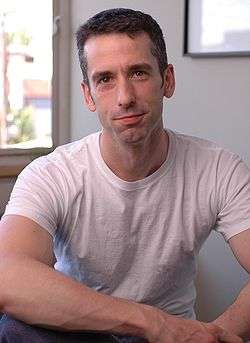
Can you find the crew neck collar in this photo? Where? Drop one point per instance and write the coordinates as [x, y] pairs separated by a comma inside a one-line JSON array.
[[133, 185]]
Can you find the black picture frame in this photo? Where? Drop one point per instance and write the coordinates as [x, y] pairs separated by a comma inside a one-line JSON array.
[[193, 37]]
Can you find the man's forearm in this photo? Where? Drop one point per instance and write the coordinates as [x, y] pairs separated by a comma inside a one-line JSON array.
[[236, 318], [39, 295]]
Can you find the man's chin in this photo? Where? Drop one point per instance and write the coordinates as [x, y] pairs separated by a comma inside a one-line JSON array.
[[132, 137]]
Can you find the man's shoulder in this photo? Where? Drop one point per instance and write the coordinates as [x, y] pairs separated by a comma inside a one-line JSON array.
[[76, 149], [203, 152], [195, 142], [74, 155], [201, 146]]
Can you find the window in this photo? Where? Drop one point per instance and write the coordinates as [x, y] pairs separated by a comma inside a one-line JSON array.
[[217, 28], [33, 81]]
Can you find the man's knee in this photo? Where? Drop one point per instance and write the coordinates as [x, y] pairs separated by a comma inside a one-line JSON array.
[[15, 331]]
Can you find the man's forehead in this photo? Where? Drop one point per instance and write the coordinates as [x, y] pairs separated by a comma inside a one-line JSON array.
[[107, 52], [105, 39]]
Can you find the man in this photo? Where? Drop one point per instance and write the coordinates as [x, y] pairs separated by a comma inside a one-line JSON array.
[[125, 210]]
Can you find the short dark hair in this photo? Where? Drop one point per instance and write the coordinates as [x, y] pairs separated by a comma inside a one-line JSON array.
[[122, 20]]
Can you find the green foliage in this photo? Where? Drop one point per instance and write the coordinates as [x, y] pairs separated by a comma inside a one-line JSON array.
[[19, 37], [23, 120]]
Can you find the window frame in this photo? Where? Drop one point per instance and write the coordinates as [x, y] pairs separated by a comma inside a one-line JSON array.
[[13, 160]]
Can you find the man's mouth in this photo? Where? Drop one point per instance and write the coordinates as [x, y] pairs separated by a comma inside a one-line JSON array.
[[130, 119]]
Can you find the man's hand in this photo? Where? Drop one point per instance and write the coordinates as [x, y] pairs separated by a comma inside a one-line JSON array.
[[172, 329]]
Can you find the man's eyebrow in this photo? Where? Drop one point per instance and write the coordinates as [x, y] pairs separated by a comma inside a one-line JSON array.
[[143, 66]]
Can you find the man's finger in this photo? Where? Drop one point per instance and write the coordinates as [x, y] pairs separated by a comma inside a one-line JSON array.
[[225, 336]]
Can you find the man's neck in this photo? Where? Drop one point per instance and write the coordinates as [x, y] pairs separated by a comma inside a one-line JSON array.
[[132, 163]]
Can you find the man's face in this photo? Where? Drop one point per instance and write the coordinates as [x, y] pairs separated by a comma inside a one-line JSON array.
[[125, 86]]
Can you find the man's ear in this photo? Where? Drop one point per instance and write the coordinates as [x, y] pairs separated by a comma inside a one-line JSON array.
[[169, 81], [88, 97]]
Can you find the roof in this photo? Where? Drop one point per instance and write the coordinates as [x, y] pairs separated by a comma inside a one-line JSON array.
[[37, 88]]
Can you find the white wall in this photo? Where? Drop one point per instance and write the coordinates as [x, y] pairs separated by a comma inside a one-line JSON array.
[[211, 101]]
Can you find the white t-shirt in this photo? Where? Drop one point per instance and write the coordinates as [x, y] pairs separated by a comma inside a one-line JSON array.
[[135, 240]]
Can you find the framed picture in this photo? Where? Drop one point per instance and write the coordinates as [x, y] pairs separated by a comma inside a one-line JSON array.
[[217, 28]]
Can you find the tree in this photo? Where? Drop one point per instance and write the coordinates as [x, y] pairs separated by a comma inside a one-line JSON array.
[[23, 120]]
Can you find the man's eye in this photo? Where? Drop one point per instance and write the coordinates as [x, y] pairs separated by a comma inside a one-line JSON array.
[[139, 74], [104, 79]]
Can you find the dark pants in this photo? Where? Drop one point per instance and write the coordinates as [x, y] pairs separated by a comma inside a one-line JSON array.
[[15, 331]]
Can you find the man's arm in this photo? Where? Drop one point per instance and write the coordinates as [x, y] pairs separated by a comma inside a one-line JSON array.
[[236, 318], [31, 290]]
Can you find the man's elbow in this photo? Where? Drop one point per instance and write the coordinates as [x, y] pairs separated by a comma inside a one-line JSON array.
[[11, 274]]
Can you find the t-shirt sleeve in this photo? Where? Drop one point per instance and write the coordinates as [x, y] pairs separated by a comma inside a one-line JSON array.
[[37, 195], [233, 196]]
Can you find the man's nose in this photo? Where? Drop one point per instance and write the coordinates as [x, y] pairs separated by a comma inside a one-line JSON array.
[[126, 93]]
